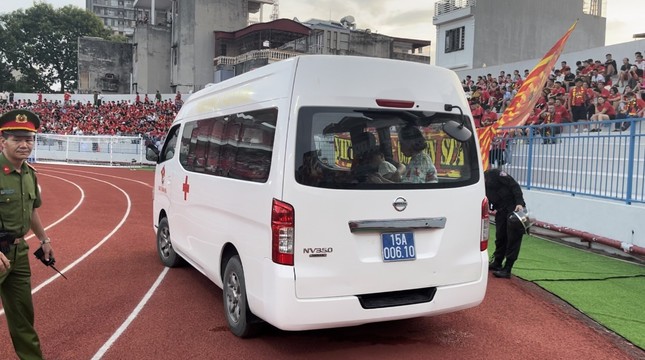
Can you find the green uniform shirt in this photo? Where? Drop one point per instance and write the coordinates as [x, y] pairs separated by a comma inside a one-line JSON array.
[[19, 195]]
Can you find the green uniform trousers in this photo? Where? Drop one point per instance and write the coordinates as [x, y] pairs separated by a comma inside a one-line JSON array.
[[15, 290]]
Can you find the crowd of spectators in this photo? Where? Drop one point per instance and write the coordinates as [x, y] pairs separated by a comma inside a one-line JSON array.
[[595, 90], [149, 119]]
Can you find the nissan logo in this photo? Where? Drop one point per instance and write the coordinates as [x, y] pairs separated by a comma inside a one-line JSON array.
[[400, 204]]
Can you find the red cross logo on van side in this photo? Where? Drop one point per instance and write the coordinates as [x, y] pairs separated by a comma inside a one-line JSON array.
[[186, 188]]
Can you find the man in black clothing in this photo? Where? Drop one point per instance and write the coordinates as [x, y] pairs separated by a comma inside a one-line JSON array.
[[610, 66], [505, 196]]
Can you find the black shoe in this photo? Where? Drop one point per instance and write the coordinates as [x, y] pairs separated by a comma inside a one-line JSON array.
[[494, 266], [504, 274]]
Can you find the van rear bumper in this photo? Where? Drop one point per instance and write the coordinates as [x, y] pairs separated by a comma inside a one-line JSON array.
[[277, 303]]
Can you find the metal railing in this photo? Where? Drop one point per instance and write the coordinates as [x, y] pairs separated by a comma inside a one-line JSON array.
[[271, 54], [608, 164], [447, 6]]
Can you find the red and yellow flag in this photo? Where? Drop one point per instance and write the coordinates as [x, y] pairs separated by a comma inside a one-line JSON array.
[[524, 101]]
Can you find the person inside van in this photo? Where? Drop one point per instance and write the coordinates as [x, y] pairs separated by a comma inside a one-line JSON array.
[[386, 168], [420, 169], [380, 170], [310, 172]]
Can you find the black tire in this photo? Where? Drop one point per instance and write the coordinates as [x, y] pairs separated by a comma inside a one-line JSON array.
[[167, 254], [239, 317]]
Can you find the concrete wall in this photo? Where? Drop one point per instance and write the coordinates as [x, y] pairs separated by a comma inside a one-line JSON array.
[[193, 36], [151, 64], [104, 66], [511, 30], [370, 44], [456, 59], [618, 52], [614, 220]]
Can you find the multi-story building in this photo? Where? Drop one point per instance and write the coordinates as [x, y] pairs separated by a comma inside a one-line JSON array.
[[261, 44], [118, 15], [474, 34], [185, 45]]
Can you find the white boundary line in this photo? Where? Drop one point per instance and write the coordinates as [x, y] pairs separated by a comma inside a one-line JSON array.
[[99, 354], [100, 174], [78, 204], [99, 244], [115, 336]]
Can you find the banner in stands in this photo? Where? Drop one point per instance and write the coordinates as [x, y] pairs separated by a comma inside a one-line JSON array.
[[525, 99], [446, 152]]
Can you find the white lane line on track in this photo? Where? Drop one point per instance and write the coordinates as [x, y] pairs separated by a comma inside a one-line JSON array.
[[99, 354], [95, 247], [99, 244], [78, 204], [102, 174]]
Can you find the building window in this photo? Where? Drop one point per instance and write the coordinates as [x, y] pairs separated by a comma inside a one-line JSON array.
[[455, 39]]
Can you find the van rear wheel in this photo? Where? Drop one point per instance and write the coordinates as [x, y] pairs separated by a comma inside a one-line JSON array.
[[167, 254], [241, 320]]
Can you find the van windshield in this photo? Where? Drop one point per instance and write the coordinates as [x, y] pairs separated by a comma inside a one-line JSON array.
[[343, 148]]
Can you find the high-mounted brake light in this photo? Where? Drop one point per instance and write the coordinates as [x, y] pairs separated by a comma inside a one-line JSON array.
[[485, 229], [401, 104], [282, 225]]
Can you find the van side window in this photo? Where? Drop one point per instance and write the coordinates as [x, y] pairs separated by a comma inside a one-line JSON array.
[[237, 146], [168, 150], [194, 145]]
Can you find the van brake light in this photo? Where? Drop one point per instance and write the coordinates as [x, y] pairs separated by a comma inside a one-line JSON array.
[[282, 226], [485, 228], [402, 104]]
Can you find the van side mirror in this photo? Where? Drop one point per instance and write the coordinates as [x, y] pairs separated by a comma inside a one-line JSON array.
[[456, 131], [152, 153]]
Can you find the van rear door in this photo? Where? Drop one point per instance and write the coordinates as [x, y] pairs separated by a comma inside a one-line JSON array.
[[383, 201]]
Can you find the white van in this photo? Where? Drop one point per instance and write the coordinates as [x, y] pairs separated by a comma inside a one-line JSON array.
[[327, 191]]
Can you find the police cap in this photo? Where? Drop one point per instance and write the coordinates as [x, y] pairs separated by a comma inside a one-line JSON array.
[[19, 122]]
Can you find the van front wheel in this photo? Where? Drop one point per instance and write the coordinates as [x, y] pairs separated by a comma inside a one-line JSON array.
[[241, 320], [167, 254]]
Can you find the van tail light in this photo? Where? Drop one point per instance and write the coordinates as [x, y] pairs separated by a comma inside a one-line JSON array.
[[282, 225], [485, 230], [401, 104]]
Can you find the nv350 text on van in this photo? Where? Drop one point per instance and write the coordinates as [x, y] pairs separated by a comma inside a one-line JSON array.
[[327, 191]]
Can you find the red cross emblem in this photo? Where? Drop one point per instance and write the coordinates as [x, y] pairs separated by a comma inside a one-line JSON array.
[[186, 188]]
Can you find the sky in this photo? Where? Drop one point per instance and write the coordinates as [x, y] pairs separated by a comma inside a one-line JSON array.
[[393, 18]]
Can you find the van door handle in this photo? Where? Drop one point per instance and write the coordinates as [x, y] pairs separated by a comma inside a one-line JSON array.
[[398, 224]]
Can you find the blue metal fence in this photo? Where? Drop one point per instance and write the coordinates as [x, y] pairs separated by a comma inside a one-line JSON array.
[[608, 164]]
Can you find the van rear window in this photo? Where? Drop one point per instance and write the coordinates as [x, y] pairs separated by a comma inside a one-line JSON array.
[[343, 148]]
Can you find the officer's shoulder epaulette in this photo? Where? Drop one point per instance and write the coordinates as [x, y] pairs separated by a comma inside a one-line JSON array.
[[32, 167]]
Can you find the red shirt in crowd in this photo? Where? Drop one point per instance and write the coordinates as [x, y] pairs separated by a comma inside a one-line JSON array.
[[577, 96], [478, 113], [606, 108], [561, 114]]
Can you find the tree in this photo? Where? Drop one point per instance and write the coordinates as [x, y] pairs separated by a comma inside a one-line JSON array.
[[42, 43]]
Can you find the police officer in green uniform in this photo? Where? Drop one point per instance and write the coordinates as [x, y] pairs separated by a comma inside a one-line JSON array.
[[19, 200]]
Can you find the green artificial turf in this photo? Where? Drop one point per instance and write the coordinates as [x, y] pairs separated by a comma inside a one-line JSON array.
[[608, 290]]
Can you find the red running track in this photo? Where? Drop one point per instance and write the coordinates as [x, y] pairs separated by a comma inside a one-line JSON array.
[[121, 303]]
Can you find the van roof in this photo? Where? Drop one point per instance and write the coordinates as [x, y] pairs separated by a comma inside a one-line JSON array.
[[240, 90]]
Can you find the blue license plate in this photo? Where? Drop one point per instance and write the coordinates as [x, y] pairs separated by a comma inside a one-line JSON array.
[[398, 246]]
